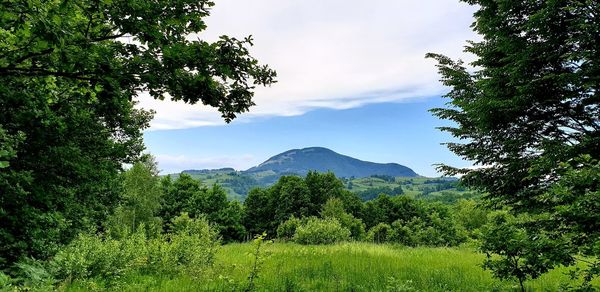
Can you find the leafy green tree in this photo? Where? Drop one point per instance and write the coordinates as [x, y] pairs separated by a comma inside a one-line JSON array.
[[386, 209], [523, 255], [177, 196], [291, 196], [380, 233], [229, 222], [212, 203], [529, 108], [470, 215], [69, 72], [352, 203], [373, 192], [334, 209], [140, 204], [259, 213], [322, 187]]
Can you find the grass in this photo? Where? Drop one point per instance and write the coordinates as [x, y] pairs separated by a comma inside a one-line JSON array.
[[341, 267]]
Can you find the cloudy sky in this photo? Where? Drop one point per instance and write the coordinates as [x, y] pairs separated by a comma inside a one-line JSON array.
[[346, 70]]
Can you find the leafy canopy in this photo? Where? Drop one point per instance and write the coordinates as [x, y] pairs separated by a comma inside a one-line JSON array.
[[69, 72], [529, 115]]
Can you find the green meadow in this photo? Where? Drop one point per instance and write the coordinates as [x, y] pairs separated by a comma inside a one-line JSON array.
[[339, 267]]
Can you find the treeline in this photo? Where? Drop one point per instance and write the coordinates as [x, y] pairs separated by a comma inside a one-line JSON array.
[[318, 203]]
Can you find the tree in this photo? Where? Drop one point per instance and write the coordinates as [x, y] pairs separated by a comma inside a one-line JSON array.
[[530, 108], [140, 204], [212, 203], [179, 195], [291, 197], [322, 187], [334, 209], [523, 255], [69, 72], [259, 214]]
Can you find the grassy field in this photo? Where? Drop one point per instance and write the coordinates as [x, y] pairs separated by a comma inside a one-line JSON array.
[[342, 267]]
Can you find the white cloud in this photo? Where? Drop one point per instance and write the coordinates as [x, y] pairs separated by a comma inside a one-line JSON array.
[[176, 163], [332, 53]]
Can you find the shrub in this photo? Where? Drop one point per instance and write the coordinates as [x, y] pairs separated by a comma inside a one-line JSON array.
[[287, 229], [321, 231], [5, 281], [90, 256], [190, 248], [334, 209], [431, 230], [380, 233]]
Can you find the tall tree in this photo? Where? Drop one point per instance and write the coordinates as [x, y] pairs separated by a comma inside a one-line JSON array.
[[69, 71], [141, 202], [529, 114]]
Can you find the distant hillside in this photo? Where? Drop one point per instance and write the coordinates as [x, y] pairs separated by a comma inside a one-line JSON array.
[[208, 171], [300, 161]]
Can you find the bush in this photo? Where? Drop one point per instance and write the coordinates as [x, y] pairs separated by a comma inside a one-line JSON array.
[[5, 281], [321, 231], [432, 230], [190, 248], [287, 229], [334, 209], [380, 233], [90, 256]]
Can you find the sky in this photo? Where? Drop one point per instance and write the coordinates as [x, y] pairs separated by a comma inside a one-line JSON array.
[[352, 77]]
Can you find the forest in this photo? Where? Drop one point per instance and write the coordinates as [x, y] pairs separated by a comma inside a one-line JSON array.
[[83, 206]]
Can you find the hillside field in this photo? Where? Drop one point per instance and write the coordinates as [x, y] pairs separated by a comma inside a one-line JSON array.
[[340, 267]]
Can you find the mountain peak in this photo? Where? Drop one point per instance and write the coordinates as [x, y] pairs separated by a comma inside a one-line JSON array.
[[301, 161]]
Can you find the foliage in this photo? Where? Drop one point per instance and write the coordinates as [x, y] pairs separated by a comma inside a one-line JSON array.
[[334, 209], [322, 187], [321, 231], [529, 115], [372, 193], [30, 274], [435, 229], [287, 229], [177, 195], [388, 209], [295, 196], [240, 184], [141, 202], [258, 260], [69, 72], [354, 266], [380, 233], [259, 212], [522, 255], [89, 256], [189, 249], [470, 215], [188, 195]]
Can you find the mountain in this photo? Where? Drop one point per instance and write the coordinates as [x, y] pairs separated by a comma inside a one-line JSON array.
[[300, 161]]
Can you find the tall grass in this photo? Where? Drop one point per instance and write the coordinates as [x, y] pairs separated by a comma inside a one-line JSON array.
[[343, 267]]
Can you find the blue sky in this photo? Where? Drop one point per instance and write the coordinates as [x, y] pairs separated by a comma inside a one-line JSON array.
[[402, 132], [351, 77]]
